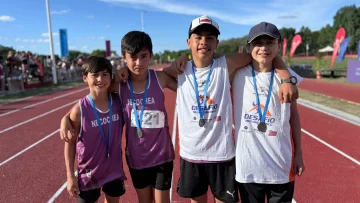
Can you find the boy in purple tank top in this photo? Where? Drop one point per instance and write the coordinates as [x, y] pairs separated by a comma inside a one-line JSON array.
[[97, 120], [149, 150]]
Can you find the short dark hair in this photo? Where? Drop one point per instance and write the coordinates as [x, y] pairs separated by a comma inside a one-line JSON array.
[[134, 41], [95, 64]]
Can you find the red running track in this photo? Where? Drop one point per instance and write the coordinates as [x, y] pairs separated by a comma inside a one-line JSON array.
[[38, 173], [347, 92]]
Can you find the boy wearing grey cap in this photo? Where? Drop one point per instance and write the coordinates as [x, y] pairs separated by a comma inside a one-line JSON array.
[[268, 132]]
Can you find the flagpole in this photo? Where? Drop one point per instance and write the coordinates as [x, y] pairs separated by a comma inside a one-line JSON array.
[[53, 67]]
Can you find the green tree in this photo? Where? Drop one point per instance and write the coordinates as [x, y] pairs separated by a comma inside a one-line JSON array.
[[98, 52], [348, 17]]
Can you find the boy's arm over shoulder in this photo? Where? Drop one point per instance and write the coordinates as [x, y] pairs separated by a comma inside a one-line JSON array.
[[166, 81], [287, 92], [177, 67], [75, 118], [236, 61], [295, 125]]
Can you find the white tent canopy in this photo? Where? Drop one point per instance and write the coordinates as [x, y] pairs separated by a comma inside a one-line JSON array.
[[326, 49]]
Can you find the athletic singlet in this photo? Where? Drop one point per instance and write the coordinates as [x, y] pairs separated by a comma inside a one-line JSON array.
[[213, 142], [261, 157], [94, 167], [155, 146]]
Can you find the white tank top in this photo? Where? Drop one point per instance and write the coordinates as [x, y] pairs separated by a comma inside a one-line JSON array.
[[214, 141], [261, 157]]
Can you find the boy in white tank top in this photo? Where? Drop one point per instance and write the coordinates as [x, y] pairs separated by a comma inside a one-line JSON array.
[[268, 142], [207, 147]]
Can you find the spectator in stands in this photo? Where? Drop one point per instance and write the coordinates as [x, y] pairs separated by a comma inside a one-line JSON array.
[[1, 67], [24, 62]]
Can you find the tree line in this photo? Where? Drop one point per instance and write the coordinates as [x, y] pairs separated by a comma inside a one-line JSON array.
[[347, 17]]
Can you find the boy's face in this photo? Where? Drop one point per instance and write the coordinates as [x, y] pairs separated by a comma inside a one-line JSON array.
[[202, 44], [138, 63], [264, 49], [99, 81]]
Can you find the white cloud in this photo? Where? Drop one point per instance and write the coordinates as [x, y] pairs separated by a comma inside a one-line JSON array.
[[97, 38], [21, 47], [85, 47], [33, 46], [17, 39], [42, 41], [107, 26], [280, 12], [6, 18], [25, 40], [3, 38], [60, 12], [46, 34], [72, 47]]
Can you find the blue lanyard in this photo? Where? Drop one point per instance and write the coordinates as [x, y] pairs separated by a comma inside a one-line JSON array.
[[201, 111], [99, 122], [262, 115], [143, 103]]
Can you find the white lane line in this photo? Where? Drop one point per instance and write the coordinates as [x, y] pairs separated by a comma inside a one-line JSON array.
[[39, 116], [59, 191], [29, 147], [42, 102], [328, 145], [330, 111], [331, 147]]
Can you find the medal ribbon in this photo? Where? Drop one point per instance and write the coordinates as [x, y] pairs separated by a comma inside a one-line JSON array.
[[138, 119], [262, 115], [201, 111], [99, 122]]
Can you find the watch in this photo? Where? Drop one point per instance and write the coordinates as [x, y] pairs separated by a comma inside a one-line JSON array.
[[292, 80]]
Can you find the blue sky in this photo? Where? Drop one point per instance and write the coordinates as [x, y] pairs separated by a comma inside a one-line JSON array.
[[23, 23]]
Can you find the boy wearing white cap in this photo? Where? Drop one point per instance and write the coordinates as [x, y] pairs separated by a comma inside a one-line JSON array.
[[207, 147]]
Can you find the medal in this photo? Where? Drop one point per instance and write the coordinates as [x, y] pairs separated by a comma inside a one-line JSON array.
[[200, 107], [138, 118], [262, 127], [139, 133], [201, 122]]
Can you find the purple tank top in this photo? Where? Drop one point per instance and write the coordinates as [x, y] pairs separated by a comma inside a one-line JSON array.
[[94, 167], [155, 146]]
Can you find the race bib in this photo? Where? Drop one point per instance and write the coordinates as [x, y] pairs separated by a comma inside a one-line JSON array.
[[151, 119]]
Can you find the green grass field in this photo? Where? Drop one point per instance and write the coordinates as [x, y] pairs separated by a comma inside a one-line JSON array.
[[324, 62]]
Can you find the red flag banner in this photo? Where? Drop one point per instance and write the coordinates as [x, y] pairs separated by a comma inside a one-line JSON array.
[[284, 46], [295, 43], [340, 36], [108, 48]]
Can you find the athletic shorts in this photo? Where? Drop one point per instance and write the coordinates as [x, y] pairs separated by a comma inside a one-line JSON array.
[[114, 188], [159, 177], [274, 193], [195, 178]]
